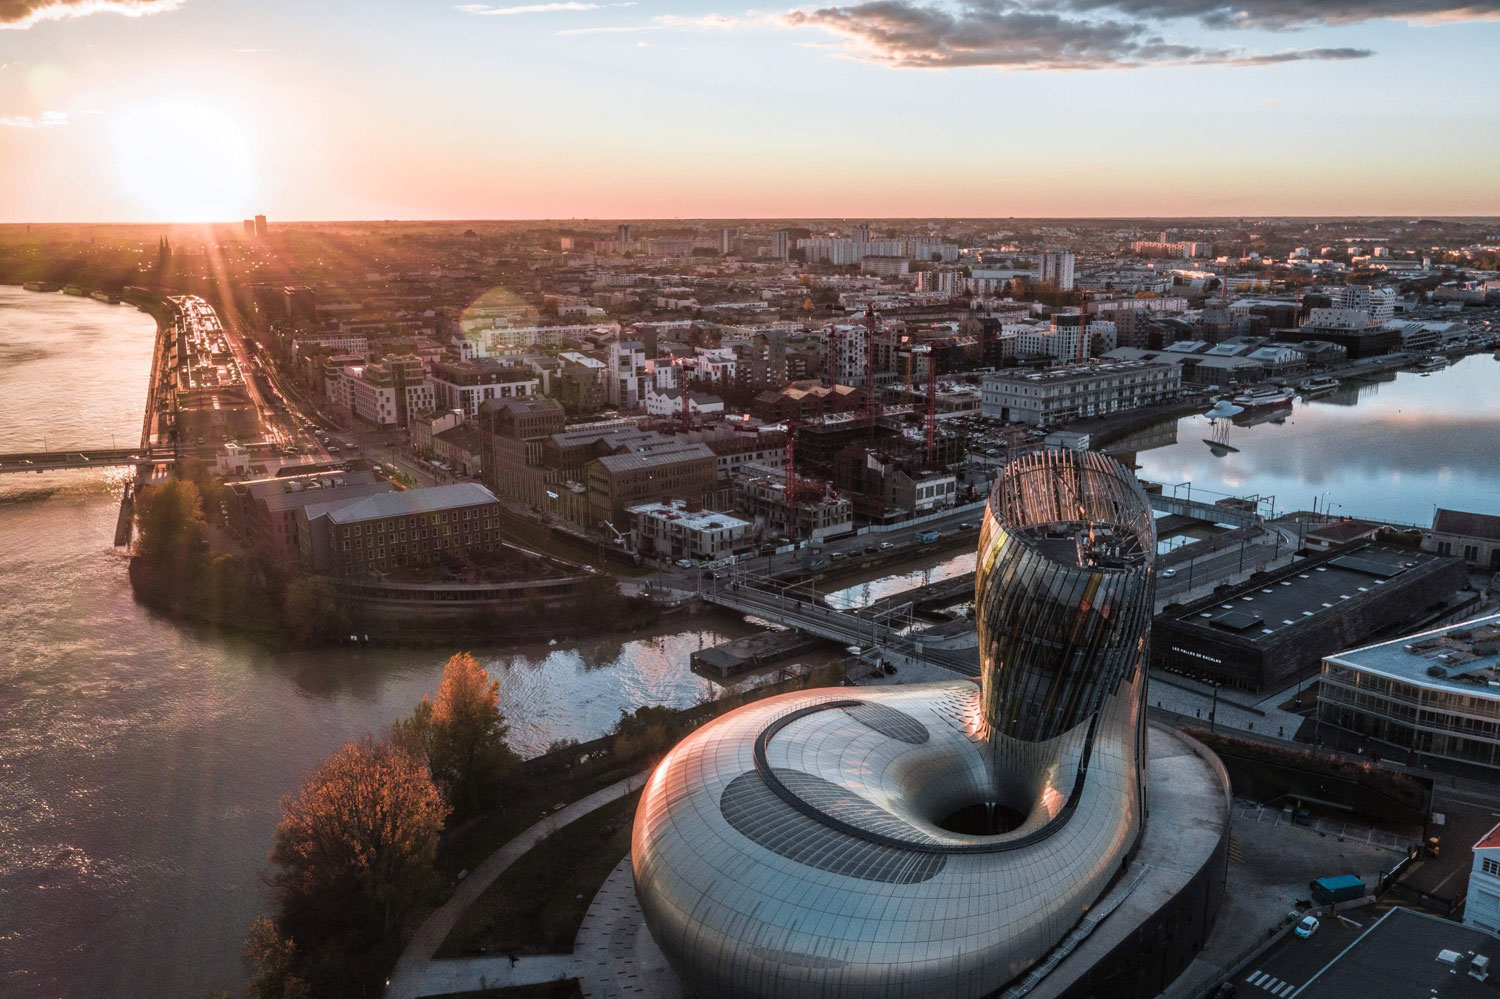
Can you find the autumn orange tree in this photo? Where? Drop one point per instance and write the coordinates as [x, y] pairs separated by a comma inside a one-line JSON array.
[[461, 735], [354, 852]]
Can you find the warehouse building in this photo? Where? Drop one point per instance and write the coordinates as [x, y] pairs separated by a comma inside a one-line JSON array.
[[1270, 630]]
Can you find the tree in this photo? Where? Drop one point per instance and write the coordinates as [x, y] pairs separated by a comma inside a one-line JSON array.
[[647, 733], [354, 849], [311, 610], [461, 735], [169, 524], [271, 960]]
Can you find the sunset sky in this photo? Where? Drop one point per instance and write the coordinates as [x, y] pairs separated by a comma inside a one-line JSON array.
[[217, 109]]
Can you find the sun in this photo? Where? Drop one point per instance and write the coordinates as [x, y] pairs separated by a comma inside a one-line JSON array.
[[183, 161]]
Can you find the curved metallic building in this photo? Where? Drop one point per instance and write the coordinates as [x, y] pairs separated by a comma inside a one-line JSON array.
[[932, 840]]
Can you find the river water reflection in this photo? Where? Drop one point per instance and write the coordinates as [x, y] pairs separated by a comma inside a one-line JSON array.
[[1390, 450], [141, 762]]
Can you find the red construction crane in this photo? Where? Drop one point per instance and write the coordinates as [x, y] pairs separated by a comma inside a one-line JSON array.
[[830, 363], [931, 408], [682, 386], [791, 480]]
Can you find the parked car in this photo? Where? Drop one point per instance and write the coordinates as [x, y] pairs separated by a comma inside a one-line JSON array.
[[1168, 573], [1307, 927], [884, 545]]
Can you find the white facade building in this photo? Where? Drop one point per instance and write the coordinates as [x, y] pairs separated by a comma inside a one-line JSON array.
[[1077, 391], [628, 374], [1482, 910], [454, 395], [844, 354], [1378, 304], [681, 529], [844, 252], [370, 401], [668, 402], [1056, 268], [1067, 338]]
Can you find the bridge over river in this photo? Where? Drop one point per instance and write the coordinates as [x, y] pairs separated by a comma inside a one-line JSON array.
[[47, 461], [799, 607]]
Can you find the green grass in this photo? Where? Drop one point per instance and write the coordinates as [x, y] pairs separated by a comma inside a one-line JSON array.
[[467, 849], [538, 903]]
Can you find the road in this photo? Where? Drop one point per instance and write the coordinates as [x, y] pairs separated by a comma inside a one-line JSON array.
[[790, 608], [1201, 574], [1292, 961], [282, 423]]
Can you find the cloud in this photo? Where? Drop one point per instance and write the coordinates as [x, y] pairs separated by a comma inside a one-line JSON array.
[[21, 14], [47, 119], [1281, 14], [911, 35], [612, 29], [563, 6]]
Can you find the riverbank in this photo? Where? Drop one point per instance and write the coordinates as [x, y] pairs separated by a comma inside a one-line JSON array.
[[231, 602]]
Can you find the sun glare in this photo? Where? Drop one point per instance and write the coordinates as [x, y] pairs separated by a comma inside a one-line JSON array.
[[184, 162]]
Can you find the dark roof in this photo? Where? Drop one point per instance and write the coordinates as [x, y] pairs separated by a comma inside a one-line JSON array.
[[1470, 525], [1339, 531], [1398, 956]]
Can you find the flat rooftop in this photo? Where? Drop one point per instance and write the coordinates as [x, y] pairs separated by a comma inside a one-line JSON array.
[[1259, 612], [1399, 956], [693, 520], [1462, 657], [1075, 372]]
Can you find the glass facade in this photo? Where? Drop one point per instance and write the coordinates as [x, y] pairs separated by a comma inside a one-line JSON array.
[[1424, 719], [1063, 592]]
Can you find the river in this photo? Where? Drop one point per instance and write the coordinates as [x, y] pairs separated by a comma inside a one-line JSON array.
[[1387, 450], [141, 762]]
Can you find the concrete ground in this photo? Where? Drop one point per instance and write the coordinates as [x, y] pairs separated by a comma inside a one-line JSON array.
[[1191, 699], [1270, 864], [1292, 961]]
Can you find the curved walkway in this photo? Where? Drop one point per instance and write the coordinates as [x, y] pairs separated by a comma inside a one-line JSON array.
[[407, 981]]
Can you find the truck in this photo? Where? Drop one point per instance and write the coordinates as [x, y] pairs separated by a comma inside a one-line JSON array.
[[1341, 888], [927, 537]]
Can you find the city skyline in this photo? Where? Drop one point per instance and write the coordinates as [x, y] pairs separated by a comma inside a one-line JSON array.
[[637, 110]]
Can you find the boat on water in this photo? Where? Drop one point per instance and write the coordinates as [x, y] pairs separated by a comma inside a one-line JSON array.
[[73, 289], [105, 297], [39, 286], [1264, 397], [1320, 385], [1432, 362], [1271, 414], [1223, 410]]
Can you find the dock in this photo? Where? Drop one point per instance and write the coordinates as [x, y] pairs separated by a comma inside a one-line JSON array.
[[743, 654]]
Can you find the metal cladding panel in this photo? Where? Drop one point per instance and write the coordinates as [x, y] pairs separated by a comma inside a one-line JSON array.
[[1057, 634], [794, 848]]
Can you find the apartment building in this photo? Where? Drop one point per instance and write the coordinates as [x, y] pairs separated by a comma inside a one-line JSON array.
[[408, 528], [1077, 391], [467, 385], [675, 528]]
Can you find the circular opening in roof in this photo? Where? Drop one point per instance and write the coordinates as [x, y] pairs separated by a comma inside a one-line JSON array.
[[982, 818]]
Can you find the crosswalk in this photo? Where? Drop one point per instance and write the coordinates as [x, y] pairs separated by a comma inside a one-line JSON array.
[[1271, 984], [1234, 851]]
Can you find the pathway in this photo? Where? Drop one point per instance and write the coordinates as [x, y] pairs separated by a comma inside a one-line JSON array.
[[409, 979]]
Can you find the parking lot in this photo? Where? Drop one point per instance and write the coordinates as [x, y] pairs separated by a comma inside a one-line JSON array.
[[1292, 961]]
